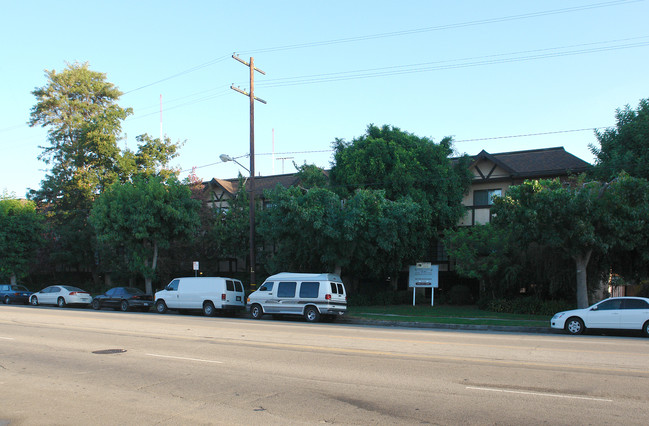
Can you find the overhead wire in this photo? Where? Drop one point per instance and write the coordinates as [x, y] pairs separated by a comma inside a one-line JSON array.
[[442, 27]]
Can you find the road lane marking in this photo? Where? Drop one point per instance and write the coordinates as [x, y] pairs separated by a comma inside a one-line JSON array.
[[551, 395], [185, 359], [7, 338]]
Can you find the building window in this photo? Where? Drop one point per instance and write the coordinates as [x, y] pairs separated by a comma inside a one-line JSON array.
[[485, 197]]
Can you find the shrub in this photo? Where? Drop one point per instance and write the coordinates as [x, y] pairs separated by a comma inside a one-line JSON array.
[[524, 305], [459, 295]]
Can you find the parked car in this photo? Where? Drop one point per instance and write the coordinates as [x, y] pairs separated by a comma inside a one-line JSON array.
[[310, 295], [616, 313], [60, 295], [123, 298], [209, 294], [11, 293]]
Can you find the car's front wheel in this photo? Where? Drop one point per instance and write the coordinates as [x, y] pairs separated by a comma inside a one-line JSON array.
[[645, 329], [60, 302], [34, 301], [574, 325], [7, 301], [161, 306], [256, 312]]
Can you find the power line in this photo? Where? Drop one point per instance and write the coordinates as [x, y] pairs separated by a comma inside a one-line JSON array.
[[443, 27], [448, 64], [455, 141]]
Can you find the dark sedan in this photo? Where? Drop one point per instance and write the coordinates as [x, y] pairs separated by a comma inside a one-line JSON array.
[[123, 298], [11, 293]]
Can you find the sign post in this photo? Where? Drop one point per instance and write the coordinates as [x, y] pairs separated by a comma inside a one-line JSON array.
[[423, 275], [195, 264]]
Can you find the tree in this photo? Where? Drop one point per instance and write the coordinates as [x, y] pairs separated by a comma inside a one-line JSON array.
[[144, 216], [79, 108], [312, 229], [581, 219], [479, 252], [624, 147], [21, 229], [152, 158], [405, 166]]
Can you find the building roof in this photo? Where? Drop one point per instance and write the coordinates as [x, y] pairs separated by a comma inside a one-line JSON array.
[[262, 183], [536, 163]]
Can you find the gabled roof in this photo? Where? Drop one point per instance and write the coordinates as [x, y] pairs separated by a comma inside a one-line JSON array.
[[262, 183], [535, 163]]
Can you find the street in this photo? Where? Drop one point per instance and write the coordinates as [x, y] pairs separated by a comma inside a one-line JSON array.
[[79, 366]]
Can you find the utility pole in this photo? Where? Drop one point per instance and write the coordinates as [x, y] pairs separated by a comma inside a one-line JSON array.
[[252, 97]]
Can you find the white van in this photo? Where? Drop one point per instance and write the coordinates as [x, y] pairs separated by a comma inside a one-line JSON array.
[[311, 295], [210, 294]]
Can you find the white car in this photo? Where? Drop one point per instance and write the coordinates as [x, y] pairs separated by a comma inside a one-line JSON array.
[[616, 313], [60, 295]]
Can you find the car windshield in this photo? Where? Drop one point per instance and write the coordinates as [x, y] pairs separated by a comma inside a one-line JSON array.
[[18, 288], [70, 288]]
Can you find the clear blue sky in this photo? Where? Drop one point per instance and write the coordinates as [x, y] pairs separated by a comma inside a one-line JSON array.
[[467, 69]]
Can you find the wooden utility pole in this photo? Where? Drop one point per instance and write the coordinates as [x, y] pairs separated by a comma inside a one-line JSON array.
[[252, 97]]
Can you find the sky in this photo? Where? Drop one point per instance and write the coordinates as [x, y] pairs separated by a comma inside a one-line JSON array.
[[499, 75]]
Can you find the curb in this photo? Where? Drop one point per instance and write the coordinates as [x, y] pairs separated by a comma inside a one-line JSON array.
[[470, 327]]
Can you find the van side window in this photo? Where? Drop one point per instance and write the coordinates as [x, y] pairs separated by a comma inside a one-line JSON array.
[[229, 285], [286, 289], [173, 286], [309, 289], [238, 286], [267, 286]]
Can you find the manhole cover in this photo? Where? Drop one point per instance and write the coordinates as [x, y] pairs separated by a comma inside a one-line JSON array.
[[109, 351]]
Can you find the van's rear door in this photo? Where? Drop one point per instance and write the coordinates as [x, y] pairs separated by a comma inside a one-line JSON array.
[[234, 294], [338, 294]]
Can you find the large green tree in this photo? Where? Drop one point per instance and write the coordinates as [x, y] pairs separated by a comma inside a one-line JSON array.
[[21, 234], [83, 120], [625, 147], [144, 216], [405, 165], [311, 229], [579, 219]]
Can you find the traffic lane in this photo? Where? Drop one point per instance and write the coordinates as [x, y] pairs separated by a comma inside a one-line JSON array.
[[283, 369], [302, 386]]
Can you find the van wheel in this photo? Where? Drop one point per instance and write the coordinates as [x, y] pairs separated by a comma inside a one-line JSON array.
[[161, 306], [256, 312], [311, 314], [208, 309]]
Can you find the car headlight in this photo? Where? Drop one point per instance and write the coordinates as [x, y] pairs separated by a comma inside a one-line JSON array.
[[559, 315]]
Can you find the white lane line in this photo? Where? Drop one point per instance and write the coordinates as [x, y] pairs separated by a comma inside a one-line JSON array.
[[185, 359], [552, 395], [7, 338]]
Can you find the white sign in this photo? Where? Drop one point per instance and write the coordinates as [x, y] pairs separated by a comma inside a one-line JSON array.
[[195, 266], [423, 275]]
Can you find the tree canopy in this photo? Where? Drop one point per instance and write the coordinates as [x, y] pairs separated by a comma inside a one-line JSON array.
[[405, 166], [579, 219], [625, 147], [21, 233], [142, 217]]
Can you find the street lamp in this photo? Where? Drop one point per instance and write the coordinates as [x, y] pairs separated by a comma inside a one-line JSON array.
[[225, 158]]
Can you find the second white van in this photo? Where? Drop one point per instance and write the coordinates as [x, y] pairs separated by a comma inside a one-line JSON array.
[[209, 294], [313, 296]]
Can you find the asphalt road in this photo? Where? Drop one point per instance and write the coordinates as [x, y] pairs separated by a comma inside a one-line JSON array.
[[78, 366]]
